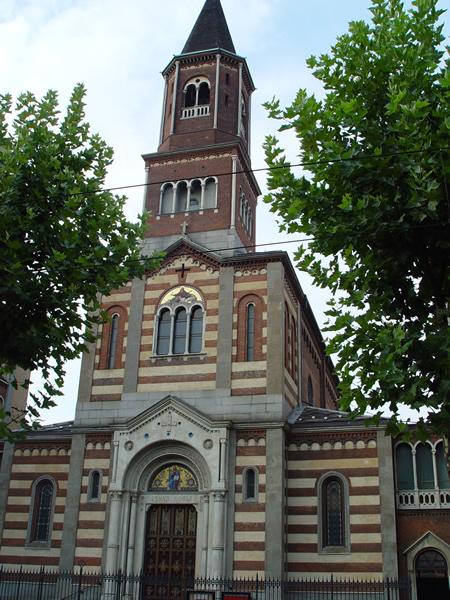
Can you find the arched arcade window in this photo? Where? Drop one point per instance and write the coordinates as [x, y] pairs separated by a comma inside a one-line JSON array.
[[197, 93], [186, 196], [180, 322], [310, 391]]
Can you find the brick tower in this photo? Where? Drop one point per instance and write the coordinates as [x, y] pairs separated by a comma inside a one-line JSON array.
[[200, 180]]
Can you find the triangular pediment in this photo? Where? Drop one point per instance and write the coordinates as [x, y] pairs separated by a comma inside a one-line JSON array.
[[428, 539], [169, 413], [187, 251]]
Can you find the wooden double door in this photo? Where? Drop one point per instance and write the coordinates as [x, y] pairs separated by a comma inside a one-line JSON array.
[[170, 545]]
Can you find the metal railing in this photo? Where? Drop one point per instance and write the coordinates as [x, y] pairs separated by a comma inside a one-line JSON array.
[[82, 584]]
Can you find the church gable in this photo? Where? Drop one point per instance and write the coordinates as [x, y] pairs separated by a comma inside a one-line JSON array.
[[179, 324]]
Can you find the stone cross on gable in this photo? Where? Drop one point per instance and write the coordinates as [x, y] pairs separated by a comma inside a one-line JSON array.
[[184, 227]]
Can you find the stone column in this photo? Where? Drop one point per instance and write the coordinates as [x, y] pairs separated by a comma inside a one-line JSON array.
[[112, 551], [132, 534], [5, 475], [205, 538], [218, 537]]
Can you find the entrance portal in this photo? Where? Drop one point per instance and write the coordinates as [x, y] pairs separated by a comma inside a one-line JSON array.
[[432, 576], [170, 543]]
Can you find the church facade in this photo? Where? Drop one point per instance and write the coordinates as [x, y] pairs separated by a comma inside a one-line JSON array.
[[207, 439]]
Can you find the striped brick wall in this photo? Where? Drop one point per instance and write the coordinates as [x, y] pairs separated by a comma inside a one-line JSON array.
[[355, 457], [107, 384], [249, 519], [30, 462], [250, 377], [291, 347], [158, 374], [91, 516]]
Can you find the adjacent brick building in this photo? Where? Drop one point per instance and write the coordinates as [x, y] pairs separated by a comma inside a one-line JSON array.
[[207, 408]]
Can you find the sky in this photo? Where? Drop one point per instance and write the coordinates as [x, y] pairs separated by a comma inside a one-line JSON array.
[[118, 50]]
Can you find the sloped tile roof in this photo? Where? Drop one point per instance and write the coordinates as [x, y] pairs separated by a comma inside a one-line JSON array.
[[210, 30]]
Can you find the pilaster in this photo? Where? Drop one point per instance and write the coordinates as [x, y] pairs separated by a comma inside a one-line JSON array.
[[5, 475], [387, 505], [72, 506], [275, 502], [275, 328], [225, 329], [134, 333]]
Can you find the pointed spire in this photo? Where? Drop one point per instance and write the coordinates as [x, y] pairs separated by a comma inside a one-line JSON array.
[[210, 30]]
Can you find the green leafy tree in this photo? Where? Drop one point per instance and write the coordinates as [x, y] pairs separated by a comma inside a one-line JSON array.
[[374, 199], [64, 241]]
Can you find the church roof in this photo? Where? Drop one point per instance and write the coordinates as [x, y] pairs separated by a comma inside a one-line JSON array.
[[312, 416], [210, 30]]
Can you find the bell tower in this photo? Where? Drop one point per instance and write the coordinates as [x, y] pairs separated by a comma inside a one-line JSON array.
[[200, 183]]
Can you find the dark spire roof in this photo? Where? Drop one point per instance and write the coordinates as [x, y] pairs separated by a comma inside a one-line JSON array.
[[210, 30]]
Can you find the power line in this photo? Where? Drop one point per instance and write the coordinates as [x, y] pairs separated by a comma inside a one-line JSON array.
[[261, 169], [252, 246]]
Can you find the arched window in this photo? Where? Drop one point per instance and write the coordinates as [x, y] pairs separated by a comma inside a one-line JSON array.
[[179, 332], [180, 322], [164, 326], [94, 486], [424, 466], [310, 391], [42, 511], [250, 333], [190, 96], [196, 195], [294, 351], [333, 513], [250, 485], [250, 342], [210, 193], [167, 199], [181, 197], [404, 467], [203, 93], [441, 465], [113, 339], [196, 330], [196, 98]]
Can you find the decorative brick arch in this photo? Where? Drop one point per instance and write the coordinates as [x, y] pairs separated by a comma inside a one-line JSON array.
[[106, 334], [243, 302]]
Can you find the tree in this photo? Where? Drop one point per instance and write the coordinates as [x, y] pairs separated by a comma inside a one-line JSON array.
[[64, 241], [374, 200]]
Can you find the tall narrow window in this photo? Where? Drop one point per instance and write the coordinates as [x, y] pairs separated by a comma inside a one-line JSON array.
[[42, 511], [163, 341], [113, 338], [441, 464], [181, 197], [333, 513], [203, 94], [404, 467], [167, 199], [196, 330], [250, 485], [250, 345], [424, 465], [210, 193], [179, 333], [94, 491], [190, 96]]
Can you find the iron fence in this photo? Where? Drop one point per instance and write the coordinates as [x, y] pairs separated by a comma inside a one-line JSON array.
[[82, 584]]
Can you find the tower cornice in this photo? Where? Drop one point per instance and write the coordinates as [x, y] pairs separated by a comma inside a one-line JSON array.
[[191, 58]]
